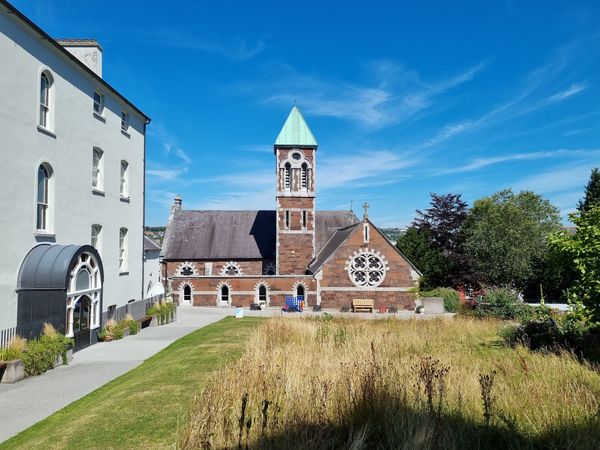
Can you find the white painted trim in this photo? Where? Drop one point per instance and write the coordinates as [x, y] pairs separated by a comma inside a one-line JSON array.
[[366, 289], [253, 293]]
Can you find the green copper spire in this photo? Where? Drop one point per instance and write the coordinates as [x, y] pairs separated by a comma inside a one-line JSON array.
[[295, 131]]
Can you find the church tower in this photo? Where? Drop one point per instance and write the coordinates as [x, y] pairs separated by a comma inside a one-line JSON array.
[[295, 155]]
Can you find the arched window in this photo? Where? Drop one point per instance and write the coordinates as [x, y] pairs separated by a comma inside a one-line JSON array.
[[304, 176], [287, 176], [187, 271], [45, 99], [124, 188], [187, 294], [300, 291], [224, 294], [123, 250], [231, 269], [43, 198], [96, 240], [97, 173], [262, 294]]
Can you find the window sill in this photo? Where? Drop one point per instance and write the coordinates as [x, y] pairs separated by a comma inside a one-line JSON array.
[[100, 117], [123, 274], [98, 192], [125, 199], [126, 134], [46, 131], [44, 234]]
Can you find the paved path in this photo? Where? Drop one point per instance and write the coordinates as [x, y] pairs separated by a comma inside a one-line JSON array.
[[33, 399]]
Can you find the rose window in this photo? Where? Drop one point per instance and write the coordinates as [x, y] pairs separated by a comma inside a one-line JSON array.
[[366, 270]]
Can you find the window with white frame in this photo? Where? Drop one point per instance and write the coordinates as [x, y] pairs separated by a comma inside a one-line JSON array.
[[43, 198], [124, 122], [96, 239], [366, 232], [97, 169], [98, 103], [124, 188], [304, 219], [287, 219], [123, 250], [224, 294], [46, 83]]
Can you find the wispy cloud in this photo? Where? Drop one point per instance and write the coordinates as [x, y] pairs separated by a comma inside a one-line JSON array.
[[166, 174], [393, 94], [479, 163], [559, 179]]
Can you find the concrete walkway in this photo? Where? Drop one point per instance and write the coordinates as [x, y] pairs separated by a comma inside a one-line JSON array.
[[27, 402]]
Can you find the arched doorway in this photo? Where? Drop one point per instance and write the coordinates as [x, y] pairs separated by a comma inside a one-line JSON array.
[[301, 292], [223, 295], [262, 295], [61, 285]]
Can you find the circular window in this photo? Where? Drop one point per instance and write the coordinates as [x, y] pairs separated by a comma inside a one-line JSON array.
[[296, 156], [366, 270]]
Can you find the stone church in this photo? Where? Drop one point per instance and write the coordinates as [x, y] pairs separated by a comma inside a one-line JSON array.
[[328, 258]]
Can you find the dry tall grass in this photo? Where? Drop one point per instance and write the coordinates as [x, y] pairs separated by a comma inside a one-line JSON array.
[[395, 384]]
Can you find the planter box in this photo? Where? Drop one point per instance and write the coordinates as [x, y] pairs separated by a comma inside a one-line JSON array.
[[433, 305], [59, 360], [12, 372]]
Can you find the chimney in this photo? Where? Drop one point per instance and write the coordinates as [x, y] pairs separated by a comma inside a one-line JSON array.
[[176, 206], [88, 51]]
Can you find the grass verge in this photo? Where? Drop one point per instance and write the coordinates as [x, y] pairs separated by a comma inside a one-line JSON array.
[[144, 407]]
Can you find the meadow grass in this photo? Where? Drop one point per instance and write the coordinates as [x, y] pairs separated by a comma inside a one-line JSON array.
[[356, 384], [144, 407]]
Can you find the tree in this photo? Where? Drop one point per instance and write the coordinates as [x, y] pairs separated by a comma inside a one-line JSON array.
[[506, 234], [443, 221], [417, 246], [583, 249], [592, 192]]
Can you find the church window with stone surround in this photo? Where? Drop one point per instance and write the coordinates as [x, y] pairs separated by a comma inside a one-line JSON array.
[[43, 202], [187, 271], [224, 294], [262, 294], [287, 219], [97, 175], [304, 221], [366, 270], [287, 176], [304, 175], [231, 270]]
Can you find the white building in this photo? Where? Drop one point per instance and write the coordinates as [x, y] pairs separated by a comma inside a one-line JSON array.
[[152, 276], [72, 174]]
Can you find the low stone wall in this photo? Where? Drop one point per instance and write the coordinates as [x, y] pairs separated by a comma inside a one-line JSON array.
[[401, 300]]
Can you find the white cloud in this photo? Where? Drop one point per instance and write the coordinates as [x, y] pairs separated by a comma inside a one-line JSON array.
[[560, 179]]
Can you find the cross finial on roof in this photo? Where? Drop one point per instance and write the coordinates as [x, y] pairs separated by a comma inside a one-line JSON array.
[[366, 209]]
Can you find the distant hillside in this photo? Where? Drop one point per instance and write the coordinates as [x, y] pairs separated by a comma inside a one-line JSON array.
[[157, 234], [393, 233]]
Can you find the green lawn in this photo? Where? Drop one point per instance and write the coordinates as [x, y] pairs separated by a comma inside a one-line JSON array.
[[144, 407]]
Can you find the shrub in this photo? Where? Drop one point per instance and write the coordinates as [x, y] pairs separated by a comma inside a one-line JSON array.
[[14, 350], [41, 353], [110, 331], [450, 296], [130, 323], [502, 303], [163, 310]]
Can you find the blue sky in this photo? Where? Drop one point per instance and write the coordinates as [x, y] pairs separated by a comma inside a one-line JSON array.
[[404, 98]]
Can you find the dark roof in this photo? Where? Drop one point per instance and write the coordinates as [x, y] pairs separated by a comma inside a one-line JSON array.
[[331, 246], [48, 266], [221, 235], [328, 222], [150, 245], [45, 36], [238, 234]]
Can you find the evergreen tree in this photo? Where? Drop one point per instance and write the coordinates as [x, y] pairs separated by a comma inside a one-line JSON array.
[[592, 192]]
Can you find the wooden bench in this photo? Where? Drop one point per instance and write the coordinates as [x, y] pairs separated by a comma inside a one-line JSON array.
[[363, 304]]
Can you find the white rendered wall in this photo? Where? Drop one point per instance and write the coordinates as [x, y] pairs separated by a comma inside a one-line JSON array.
[[151, 271], [23, 147]]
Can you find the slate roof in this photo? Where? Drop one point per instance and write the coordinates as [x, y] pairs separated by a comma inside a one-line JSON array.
[[150, 245], [331, 246], [232, 235]]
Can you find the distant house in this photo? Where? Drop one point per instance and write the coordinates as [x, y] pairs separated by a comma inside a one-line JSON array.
[[72, 185], [152, 276], [326, 258]]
